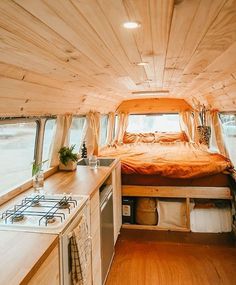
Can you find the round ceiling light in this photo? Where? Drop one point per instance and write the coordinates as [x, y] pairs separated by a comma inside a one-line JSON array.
[[131, 25]]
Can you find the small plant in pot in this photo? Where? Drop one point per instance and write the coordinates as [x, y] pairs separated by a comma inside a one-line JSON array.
[[68, 158]]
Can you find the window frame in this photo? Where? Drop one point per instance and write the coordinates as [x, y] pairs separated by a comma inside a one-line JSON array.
[[38, 148], [78, 116], [100, 135], [156, 114]]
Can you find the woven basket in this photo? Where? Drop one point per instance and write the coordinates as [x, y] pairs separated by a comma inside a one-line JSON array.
[[146, 212]]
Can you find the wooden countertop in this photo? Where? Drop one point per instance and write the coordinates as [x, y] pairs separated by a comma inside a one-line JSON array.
[[82, 181], [21, 254]]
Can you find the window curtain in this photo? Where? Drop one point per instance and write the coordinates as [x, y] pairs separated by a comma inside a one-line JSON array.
[[217, 139], [122, 126], [186, 124], [60, 138], [110, 128], [196, 123], [92, 130]]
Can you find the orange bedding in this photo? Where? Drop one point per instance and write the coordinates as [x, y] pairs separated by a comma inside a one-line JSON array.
[[174, 160]]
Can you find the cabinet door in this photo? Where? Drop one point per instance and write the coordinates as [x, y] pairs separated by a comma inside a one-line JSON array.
[[96, 238], [48, 273], [116, 183]]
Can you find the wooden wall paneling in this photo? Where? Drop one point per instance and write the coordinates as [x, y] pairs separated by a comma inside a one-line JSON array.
[[218, 39], [152, 37], [95, 14], [161, 16], [29, 98], [205, 14], [156, 105], [14, 72], [183, 15], [64, 19], [57, 45], [139, 10], [222, 67]]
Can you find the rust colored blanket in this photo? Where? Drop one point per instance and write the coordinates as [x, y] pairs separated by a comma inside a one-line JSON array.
[[175, 160]]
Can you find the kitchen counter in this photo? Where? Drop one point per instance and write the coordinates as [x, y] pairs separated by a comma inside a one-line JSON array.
[[82, 181], [21, 254]]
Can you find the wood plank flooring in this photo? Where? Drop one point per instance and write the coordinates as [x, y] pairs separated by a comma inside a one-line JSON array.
[[157, 258]]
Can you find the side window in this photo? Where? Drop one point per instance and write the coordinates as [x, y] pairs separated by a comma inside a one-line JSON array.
[[17, 144], [47, 141], [76, 130], [229, 131], [103, 129]]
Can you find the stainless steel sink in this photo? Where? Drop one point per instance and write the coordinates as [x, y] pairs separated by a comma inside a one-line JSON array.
[[103, 161]]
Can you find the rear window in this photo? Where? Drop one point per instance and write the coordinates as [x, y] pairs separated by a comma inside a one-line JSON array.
[[17, 143], [153, 123]]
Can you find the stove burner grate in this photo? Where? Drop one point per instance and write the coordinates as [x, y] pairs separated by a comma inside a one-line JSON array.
[[48, 209], [63, 204], [17, 218], [50, 219]]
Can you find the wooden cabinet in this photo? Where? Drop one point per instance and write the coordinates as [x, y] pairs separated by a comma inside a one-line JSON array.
[[116, 183], [48, 273], [96, 238]]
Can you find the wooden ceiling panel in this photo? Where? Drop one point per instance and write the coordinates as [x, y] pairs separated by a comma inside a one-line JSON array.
[[77, 56]]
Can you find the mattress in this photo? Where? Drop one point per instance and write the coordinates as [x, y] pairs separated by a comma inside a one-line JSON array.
[[181, 160], [216, 180]]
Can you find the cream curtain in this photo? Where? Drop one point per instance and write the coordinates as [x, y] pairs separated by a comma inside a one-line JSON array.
[[196, 123], [60, 138], [92, 130], [122, 126], [110, 128], [217, 139], [186, 124]]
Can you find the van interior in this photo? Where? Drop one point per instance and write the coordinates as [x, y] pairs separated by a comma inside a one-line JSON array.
[[117, 142]]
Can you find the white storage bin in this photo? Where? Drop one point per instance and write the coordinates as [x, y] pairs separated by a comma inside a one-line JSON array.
[[171, 214], [211, 220]]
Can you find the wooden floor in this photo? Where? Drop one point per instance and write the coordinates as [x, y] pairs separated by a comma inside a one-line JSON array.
[[164, 258]]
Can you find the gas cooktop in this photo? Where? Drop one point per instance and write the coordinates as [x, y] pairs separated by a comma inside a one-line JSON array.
[[42, 213]]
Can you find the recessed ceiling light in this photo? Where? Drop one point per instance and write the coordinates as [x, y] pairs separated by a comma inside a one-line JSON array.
[[131, 25], [142, 63]]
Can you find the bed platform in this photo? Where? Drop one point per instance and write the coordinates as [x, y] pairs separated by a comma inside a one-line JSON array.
[[215, 180], [177, 192]]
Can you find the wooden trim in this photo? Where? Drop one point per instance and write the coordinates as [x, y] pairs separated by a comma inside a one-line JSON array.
[[37, 265], [153, 228], [25, 186], [153, 105], [177, 192], [188, 212]]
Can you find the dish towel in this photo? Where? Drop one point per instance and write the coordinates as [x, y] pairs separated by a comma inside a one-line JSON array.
[[80, 254]]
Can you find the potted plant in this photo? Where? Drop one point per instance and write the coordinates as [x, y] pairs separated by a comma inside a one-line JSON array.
[[38, 176], [68, 158]]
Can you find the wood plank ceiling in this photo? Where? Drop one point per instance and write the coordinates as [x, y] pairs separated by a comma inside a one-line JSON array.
[[72, 56]]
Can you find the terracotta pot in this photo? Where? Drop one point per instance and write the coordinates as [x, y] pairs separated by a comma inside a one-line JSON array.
[[204, 133], [70, 166]]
